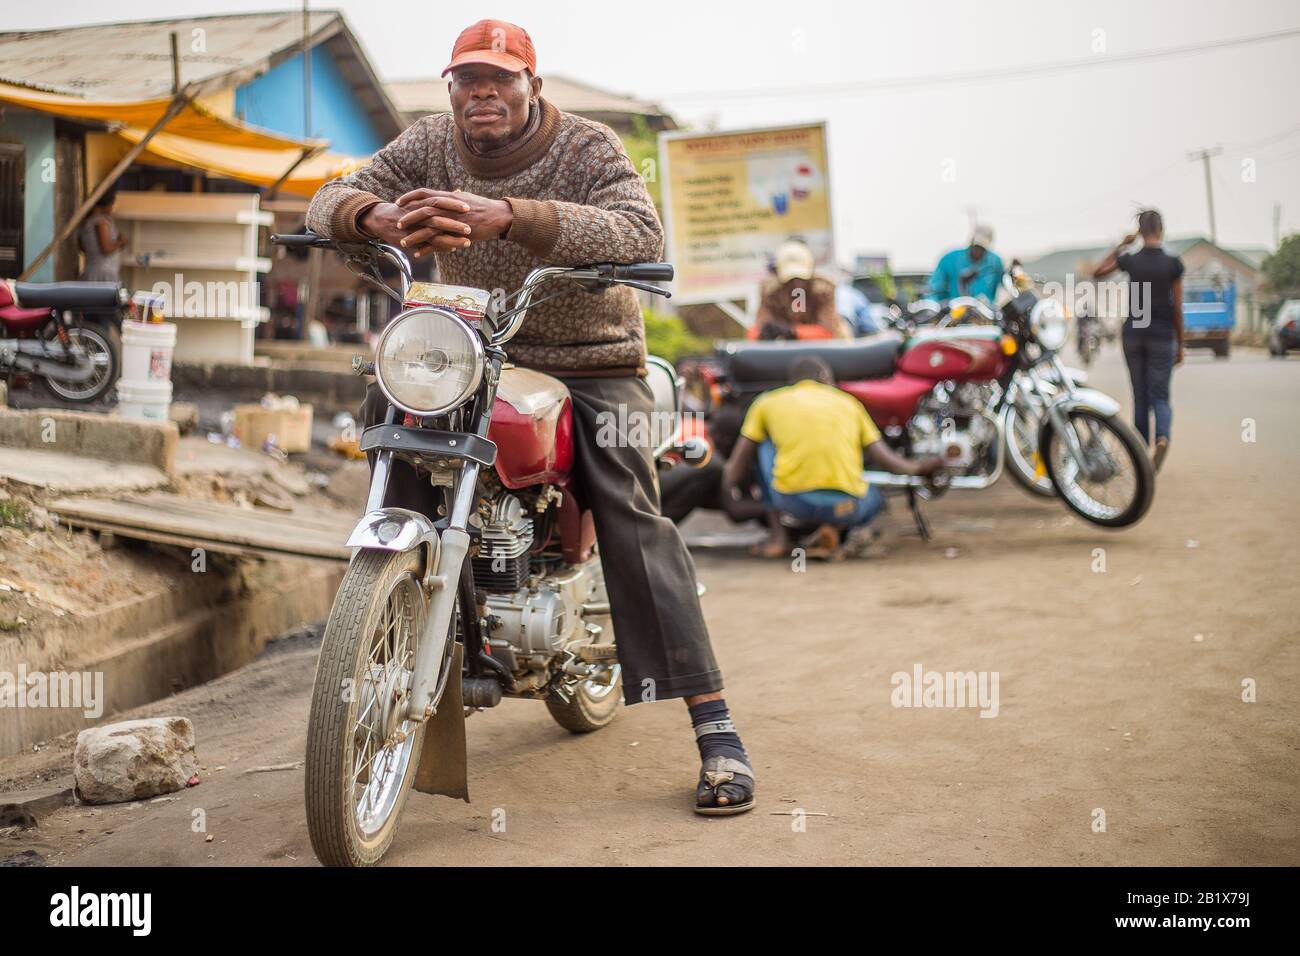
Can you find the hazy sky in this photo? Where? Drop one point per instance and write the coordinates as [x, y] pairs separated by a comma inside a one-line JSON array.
[[1048, 160]]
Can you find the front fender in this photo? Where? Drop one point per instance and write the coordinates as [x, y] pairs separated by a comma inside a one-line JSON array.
[[1088, 399], [395, 529]]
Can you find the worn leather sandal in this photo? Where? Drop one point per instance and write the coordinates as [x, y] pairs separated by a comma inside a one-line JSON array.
[[717, 772]]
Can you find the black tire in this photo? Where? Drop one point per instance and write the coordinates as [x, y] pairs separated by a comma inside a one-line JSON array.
[[586, 712], [1222, 349], [592, 706], [106, 341], [1139, 462], [359, 606]]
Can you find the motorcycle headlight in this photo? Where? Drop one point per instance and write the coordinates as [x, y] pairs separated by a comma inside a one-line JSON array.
[[428, 361], [1048, 323]]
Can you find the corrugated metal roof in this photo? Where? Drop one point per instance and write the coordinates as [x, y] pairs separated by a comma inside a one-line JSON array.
[[128, 61], [418, 97]]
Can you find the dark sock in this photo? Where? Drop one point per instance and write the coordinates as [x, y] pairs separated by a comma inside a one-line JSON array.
[[725, 743]]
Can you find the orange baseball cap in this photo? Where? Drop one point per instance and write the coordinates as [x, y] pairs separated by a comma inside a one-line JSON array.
[[496, 43]]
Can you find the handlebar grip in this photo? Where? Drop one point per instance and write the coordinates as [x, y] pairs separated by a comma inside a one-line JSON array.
[[646, 272], [304, 239]]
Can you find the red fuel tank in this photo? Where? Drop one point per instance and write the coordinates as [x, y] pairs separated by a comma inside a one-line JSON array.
[[532, 425], [959, 354], [889, 401]]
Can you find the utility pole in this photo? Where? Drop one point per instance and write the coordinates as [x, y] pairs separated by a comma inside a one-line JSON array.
[[1277, 225], [306, 72], [1204, 156], [176, 65]]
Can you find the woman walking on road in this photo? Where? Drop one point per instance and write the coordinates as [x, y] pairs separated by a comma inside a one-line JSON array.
[[1153, 331]]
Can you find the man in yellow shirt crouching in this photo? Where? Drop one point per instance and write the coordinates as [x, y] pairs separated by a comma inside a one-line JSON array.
[[804, 445]]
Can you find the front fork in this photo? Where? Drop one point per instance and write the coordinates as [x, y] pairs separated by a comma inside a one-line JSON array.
[[1060, 421], [447, 581]]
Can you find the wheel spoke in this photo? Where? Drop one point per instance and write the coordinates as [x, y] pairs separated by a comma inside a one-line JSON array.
[[380, 766]]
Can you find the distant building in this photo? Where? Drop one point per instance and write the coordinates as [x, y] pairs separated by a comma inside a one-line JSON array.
[[249, 69], [1204, 261]]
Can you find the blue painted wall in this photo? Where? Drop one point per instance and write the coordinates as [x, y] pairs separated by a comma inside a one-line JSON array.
[[36, 132], [274, 101]]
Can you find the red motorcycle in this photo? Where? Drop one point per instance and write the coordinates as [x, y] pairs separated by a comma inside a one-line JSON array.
[[499, 593], [64, 333], [957, 391]]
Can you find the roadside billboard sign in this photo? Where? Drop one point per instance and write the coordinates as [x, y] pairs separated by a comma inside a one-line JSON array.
[[731, 198]]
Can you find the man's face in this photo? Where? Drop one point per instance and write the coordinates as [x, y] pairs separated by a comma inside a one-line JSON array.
[[976, 253], [489, 104]]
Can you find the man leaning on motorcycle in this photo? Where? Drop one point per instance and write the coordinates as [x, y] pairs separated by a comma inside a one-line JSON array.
[[504, 184]]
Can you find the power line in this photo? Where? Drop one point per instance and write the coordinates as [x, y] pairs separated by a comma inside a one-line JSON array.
[[975, 76], [1266, 141]]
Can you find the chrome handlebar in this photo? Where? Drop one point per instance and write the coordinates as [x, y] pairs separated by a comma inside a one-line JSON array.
[[970, 302], [524, 299], [517, 313], [398, 258]]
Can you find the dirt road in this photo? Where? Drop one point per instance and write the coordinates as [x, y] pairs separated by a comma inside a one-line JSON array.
[[1120, 693]]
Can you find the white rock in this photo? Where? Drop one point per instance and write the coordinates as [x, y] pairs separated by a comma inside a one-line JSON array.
[[134, 759]]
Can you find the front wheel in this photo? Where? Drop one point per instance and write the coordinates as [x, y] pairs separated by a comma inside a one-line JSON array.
[[1117, 488], [99, 346], [362, 753]]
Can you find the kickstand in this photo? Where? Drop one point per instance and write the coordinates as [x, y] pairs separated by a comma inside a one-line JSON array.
[[922, 523]]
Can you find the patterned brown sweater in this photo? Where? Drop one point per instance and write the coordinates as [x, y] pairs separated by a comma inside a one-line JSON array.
[[577, 199]]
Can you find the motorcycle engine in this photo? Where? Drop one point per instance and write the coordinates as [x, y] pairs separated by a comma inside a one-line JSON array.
[[950, 422], [505, 540], [532, 612]]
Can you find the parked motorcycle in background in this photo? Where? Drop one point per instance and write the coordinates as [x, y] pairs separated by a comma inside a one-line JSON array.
[[500, 593], [987, 386], [67, 334], [1022, 413], [1088, 337]]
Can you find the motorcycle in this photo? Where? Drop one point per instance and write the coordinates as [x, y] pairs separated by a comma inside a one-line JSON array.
[[1088, 330], [960, 390], [1023, 411], [498, 594], [78, 359]]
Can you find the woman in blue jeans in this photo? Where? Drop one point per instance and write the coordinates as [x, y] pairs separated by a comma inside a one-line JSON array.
[[1153, 330]]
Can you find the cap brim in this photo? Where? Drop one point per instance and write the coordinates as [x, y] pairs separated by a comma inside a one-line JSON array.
[[794, 272], [491, 58]]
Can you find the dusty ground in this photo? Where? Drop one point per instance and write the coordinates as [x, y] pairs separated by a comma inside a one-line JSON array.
[[1108, 699]]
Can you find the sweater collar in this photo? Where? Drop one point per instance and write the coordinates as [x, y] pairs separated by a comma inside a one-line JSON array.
[[517, 156]]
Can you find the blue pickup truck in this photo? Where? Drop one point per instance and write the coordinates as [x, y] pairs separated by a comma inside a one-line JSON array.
[[1209, 316]]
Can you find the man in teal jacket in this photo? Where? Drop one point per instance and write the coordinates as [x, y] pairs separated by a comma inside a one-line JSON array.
[[975, 270]]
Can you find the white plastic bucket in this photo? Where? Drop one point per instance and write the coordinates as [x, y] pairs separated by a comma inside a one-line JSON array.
[[147, 351], [148, 400]]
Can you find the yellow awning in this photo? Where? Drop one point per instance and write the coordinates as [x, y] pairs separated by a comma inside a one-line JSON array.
[[193, 121], [199, 138], [261, 167]]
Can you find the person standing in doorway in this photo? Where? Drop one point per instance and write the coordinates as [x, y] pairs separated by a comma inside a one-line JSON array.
[[101, 243], [1153, 330]]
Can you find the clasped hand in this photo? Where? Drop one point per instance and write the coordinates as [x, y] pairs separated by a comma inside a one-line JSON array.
[[424, 221]]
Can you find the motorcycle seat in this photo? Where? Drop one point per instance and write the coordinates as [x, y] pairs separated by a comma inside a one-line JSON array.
[[67, 295], [851, 360]]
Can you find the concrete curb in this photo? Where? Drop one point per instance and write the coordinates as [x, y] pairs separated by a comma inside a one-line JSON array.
[[332, 390], [158, 649], [91, 435]]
